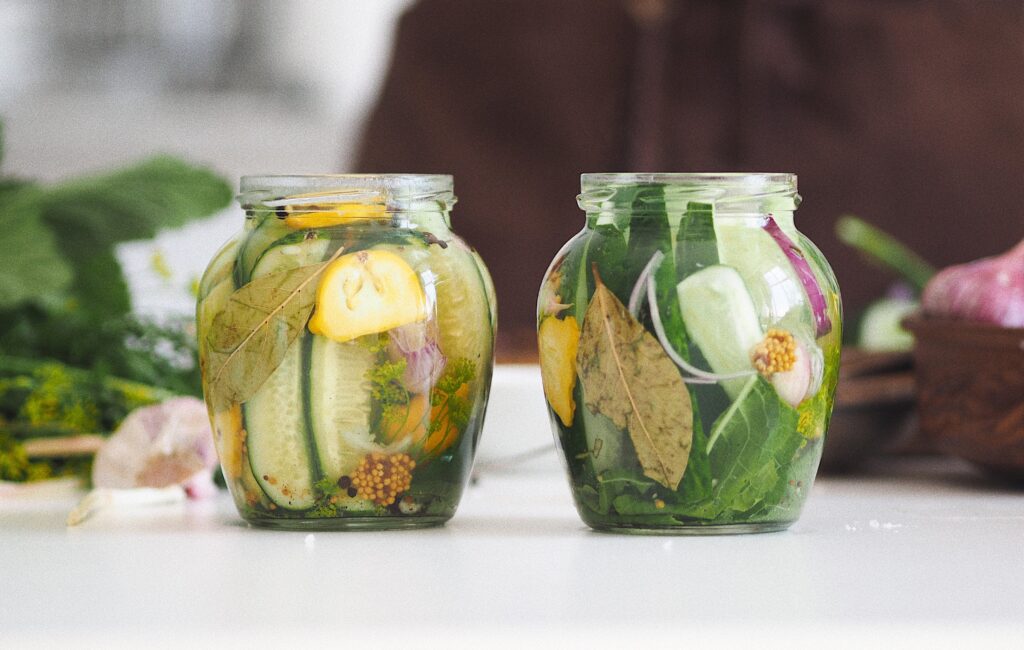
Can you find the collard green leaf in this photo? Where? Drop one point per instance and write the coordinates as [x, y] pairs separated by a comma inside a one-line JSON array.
[[751, 446], [248, 340], [98, 287], [32, 265], [649, 230], [573, 289], [607, 250], [696, 244], [628, 378], [136, 202]]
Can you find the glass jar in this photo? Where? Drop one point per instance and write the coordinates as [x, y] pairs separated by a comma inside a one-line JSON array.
[[689, 345], [346, 344]]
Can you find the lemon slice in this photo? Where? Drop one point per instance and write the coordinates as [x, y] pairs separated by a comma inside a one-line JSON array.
[[336, 214], [365, 293]]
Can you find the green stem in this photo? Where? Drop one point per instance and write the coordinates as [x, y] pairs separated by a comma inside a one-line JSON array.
[[884, 249]]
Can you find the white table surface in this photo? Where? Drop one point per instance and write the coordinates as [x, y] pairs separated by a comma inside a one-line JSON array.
[[916, 550]]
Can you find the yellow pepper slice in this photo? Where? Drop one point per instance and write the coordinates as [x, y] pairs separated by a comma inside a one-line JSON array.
[[365, 293], [559, 340]]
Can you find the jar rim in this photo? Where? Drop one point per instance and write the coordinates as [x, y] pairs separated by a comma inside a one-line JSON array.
[[746, 181], [426, 183], [295, 191], [732, 193]]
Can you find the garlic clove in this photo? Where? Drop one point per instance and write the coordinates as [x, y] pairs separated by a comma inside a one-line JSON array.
[[794, 385]]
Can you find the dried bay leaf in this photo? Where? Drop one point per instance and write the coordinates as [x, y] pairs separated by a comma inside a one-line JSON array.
[[628, 378], [248, 340]]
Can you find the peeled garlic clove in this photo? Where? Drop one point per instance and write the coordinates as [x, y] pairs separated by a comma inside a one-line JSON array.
[[794, 384], [157, 446]]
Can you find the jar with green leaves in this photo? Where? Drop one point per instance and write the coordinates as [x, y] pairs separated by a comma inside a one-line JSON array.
[[346, 344], [689, 345]]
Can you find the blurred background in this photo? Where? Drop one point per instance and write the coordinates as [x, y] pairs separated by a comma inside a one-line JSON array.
[[909, 114], [243, 86]]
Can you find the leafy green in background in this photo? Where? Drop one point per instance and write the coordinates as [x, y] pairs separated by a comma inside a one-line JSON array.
[[68, 340]]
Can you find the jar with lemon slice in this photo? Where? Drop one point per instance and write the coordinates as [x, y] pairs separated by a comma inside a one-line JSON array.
[[689, 347], [346, 342]]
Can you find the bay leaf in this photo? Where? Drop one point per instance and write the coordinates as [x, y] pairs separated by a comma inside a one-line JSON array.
[[628, 378], [248, 340]]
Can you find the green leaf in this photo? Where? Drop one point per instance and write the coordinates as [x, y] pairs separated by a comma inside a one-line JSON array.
[[91, 215], [884, 250], [607, 250], [32, 264], [574, 270], [628, 378], [135, 203], [649, 230], [248, 340], [696, 244], [751, 447], [98, 287]]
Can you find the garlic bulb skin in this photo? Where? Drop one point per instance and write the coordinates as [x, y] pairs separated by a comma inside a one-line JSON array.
[[157, 446]]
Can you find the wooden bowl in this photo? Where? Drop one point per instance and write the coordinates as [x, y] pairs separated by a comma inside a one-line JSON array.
[[970, 391]]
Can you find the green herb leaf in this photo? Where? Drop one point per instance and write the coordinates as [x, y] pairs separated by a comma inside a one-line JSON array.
[[696, 245], [33, 266], [751, 446], [628, 378], [248, 340]]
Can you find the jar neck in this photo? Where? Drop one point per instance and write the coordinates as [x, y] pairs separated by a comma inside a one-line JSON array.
[[349, 200], [620, 198]]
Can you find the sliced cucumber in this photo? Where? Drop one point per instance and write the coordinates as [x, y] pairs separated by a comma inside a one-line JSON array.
[[721, 319], [207, 308], [462, 307], [289, 256], [278, 441], [220, 267], [213, 303], [772, 283], [255, 244], [278, 445], [338, 399], [492, 299]]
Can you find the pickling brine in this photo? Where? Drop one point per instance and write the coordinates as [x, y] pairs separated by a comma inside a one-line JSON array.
[[346, 344], [689, 344]]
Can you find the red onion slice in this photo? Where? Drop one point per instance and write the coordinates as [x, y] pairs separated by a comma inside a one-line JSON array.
[[819, 306]]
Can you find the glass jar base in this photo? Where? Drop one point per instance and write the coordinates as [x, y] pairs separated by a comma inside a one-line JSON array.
[[348, 523], [695, 530]]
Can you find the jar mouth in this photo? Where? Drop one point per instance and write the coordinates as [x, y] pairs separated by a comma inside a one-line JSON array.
[[298, 193], [735, 193]]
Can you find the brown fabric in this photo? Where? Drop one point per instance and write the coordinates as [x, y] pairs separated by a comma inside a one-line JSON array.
[[909, 114]]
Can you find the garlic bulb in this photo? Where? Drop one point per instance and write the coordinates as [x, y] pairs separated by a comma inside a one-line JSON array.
[[158, 446]]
